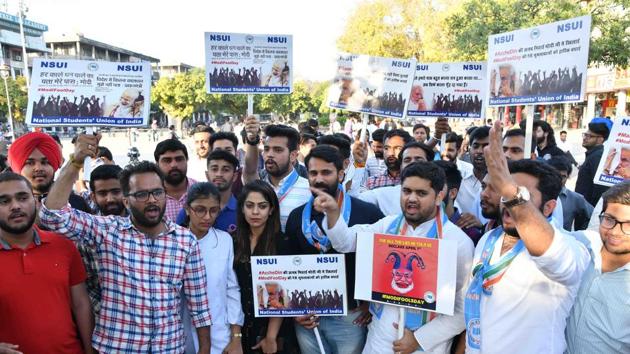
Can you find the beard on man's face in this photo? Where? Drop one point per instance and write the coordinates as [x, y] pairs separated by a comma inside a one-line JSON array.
[[18, 229], [140, 217], [378, 154], [393, 164], [175, 177], [276, 169], [330, 189]]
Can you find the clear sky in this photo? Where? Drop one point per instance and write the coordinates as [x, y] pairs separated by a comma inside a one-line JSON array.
[[173, 30]]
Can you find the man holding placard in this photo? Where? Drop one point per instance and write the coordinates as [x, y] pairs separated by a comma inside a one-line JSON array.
[[420, 198], [325, 173], [527, 272]]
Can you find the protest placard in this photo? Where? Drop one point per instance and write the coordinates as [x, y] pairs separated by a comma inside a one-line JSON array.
[[455, 90], [614, 167], [248, 63], [288, 286], [413, 272], [539, 65], [89, 93], [372, 85]]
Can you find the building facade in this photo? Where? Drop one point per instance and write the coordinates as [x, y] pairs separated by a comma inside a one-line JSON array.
[[11, 42]]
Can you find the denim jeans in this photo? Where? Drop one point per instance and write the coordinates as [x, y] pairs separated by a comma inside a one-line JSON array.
[[339, 335]]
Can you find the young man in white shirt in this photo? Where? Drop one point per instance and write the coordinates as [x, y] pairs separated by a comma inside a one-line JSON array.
[[526, 273], [420, 199], [280, 153], [600, 319]]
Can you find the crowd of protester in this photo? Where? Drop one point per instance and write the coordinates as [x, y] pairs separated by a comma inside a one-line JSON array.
[[155, 257]]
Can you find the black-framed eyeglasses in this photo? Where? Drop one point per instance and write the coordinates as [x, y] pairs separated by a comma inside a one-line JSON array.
[[608, 222], [143, 196], [200, 211], [591, 136]]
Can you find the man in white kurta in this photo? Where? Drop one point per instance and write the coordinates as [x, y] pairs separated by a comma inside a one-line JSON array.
[[529, 268], [418, 195]]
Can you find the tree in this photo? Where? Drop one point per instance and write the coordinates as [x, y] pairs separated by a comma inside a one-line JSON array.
[[467, 35], [18, 96], [398, 29], [182, 95]]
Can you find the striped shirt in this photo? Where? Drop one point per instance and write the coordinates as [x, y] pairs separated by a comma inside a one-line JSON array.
[[298, 195], [600, 319], [382, 180], [173, 206], [375, 166], [141, 280]]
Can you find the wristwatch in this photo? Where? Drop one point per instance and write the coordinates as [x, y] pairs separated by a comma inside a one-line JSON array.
[[522, 196]]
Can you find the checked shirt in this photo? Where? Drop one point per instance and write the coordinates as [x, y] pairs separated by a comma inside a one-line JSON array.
[[141, 280]]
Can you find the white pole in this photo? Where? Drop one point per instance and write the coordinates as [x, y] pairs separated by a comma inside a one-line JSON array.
[[87, 168], [250, 104], [24, 57], [319, 341], [529, 129], [6, 88], [364, 118], [401, 322]]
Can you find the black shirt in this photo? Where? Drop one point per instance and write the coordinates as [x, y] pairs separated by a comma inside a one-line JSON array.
[[584, 184], [552, 150], [360, 213]]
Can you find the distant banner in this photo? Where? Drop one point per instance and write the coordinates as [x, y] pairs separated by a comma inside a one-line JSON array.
[[89, 93], [246, 63], [614, 167], [539, 65], [455, 90], [413, 272], [372, 85], [289, 286]]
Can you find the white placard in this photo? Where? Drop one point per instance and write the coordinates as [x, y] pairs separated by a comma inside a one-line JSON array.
[[454, 90], [539, 65], [289, 286], [248, 63], [614, 167], [372, 85], [89, 93]]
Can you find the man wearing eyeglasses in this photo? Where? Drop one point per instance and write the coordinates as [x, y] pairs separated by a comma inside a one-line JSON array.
[[600, 319], [593, 140], [146, 261]]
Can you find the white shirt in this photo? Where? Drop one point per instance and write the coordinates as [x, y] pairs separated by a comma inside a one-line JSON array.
[[375, 166], [299, 194], [593, 223], [197, 168], [435, 336], [467, 200], [385, 198], [224, 292], [465, 168], [528, 309]]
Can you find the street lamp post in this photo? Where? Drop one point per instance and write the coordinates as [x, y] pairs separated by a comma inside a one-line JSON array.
[[21, 16], [4, 72]]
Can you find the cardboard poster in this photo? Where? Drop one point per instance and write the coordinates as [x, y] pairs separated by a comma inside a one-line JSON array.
[[539, 65], [408, 271], [89, 93], [289, 286], [248, 63], [614, 167], [372, 85], [454, 90]]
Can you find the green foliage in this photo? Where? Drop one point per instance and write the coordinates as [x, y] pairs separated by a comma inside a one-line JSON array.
[[398, 29], [467, 36], [18, 96], [185, 94]]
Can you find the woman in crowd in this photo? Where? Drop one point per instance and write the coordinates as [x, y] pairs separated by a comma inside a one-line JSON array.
[[202, 207], [258, 234]]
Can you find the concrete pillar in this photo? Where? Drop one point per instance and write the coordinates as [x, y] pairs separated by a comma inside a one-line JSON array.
[[93, 52], [590, 110], [621, 103], [565, 115], [79, 50]]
